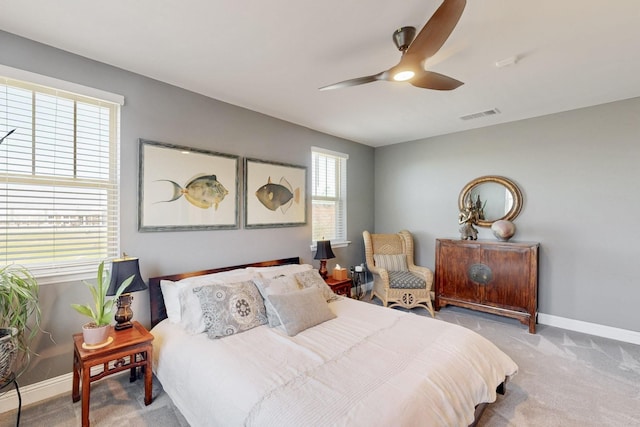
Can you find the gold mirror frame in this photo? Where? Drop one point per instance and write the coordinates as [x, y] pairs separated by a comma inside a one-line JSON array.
[[507, 183]]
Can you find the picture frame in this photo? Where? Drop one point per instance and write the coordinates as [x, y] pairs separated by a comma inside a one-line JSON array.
[[183, 188], [275, 194]]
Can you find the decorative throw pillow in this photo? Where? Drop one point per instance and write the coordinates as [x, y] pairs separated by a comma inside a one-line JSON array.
[[300, 310], [275, 286], [391, 262], [228, 309], [278, 270], [312, 279], [190, 313]]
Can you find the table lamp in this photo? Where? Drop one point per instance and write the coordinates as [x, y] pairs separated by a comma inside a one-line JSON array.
[[323, 253], [122, 269]]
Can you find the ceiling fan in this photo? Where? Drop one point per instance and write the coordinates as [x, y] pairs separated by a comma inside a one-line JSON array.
[[415, 51]]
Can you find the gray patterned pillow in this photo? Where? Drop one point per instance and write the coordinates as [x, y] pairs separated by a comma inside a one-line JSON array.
[[391, 262], [232, 308], [312, 279]]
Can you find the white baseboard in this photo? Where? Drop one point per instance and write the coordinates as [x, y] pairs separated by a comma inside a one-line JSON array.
[[37, 392], [618, 334], [624, 335]]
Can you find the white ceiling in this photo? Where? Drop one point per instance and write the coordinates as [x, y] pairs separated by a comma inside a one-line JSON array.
[[272, 56]]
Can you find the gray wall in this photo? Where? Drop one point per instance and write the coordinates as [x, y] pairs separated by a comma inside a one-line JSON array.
[[160, 112], [578, 172]]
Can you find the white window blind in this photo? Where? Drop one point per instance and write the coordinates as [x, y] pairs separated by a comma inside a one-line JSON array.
[[58, 179], [329, 195]]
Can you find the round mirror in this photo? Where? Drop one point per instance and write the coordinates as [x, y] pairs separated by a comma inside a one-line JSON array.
[[495, 197]]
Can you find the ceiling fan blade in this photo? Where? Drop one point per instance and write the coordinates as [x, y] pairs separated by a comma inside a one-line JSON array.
[[436, 31], [436, 81], [354, 82]]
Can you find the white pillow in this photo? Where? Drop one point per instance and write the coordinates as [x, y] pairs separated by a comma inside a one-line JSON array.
[[312, 279], [301, 310], [171, 296], [231, 276], [183, 307], [277, 286], [279, 270]]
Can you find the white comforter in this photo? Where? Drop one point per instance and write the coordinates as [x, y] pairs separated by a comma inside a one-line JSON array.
[[371, 366]]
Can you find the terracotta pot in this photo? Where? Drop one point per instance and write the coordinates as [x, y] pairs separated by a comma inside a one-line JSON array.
[[93, 334]]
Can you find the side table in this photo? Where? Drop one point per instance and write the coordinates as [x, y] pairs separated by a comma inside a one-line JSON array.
[[131, 348], [340, 286]]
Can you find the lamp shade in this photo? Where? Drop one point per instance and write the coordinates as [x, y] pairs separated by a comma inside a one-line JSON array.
[[121, 270], [323, 250]]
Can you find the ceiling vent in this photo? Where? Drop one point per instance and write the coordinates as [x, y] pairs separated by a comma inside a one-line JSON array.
[[491, 112]]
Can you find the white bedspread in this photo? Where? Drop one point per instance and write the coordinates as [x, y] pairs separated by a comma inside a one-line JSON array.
[[371, 366]]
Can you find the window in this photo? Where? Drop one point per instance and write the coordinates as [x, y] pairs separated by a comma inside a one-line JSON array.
[[329, 195], [58, 179]]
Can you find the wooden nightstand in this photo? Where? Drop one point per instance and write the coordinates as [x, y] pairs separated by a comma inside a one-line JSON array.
[[340, 287], [131, 348]]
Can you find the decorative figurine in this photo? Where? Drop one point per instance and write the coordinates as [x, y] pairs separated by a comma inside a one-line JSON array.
[[480, 207], [467, 219]]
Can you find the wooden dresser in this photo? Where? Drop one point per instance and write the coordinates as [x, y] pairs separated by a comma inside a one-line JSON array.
[[491, 276]]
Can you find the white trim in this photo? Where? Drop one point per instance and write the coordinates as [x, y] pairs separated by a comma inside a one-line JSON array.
[[36, 392], [51, 82], [329, 152], [334, 244], [77, 276], [625, 335]]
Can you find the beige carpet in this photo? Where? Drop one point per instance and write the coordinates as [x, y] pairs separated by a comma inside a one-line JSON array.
[[566, 379], [114, 402]]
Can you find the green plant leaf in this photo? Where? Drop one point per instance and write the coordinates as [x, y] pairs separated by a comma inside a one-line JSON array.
[[103, 307], [83, 309], [19, 308]]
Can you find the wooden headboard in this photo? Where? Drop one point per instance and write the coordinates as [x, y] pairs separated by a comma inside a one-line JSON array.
[[158, 309]]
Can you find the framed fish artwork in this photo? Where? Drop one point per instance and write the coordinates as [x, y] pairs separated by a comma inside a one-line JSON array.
[[275, 194], [182, 188]]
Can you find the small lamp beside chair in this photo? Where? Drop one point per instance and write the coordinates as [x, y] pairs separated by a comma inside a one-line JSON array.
[[122, 269], [323, 253]]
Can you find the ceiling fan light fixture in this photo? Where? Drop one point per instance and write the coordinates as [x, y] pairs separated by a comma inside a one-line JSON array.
[[402, 37], [416, 50], [403, 76]]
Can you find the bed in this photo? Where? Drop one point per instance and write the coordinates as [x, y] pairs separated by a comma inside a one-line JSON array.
[[366, 365]]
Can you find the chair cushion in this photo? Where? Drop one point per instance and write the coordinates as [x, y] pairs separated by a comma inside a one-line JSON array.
[[391, 262], [406, 280]]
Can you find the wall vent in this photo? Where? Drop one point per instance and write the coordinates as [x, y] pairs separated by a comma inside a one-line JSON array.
[[472, 116]]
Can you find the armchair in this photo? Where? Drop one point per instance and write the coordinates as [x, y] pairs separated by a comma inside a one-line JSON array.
[[396, 279]]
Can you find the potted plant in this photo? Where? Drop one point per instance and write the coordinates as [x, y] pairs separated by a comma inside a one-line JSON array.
[[19, 319], [96, 331]]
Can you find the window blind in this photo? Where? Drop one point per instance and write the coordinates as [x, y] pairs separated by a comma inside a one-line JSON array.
[[59, 179], [329, 195]]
